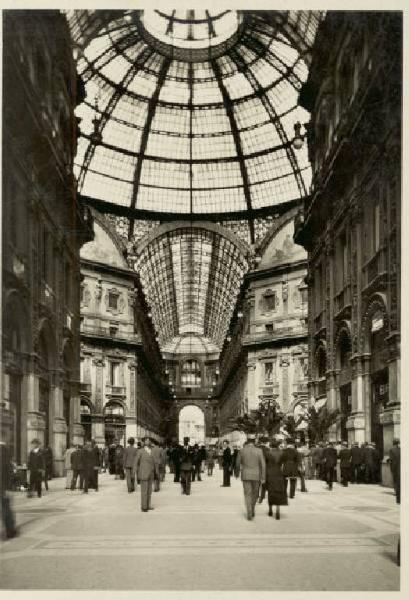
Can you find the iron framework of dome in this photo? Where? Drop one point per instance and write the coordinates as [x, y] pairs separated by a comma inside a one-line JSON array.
[[189, 118], [190, 114]]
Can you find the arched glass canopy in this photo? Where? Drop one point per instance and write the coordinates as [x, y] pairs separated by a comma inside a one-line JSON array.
[[192, 112]]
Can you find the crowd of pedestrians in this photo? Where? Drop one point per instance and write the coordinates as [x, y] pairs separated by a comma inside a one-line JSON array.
[[269, 468]]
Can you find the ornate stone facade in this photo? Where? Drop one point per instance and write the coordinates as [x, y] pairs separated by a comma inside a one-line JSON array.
[[120, 394], [43, 230], [268, 355], [351, 223]]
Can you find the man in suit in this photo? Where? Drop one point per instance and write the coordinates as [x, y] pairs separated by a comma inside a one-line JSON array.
[[197, 463], [157, 455], [68, 467], [251, 463], [263, 445], [176, 452], [129, 464], [97, 463], [90, 461], [145, 468], [6, 468], [356, 462], [186, 465], [226, 463], [290, 460], [77, 468], [36, 466], [162, 463], [345, 457], [329, 462], [394, 463]]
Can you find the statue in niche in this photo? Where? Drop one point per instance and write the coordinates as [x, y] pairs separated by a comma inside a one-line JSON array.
[[286, 249]]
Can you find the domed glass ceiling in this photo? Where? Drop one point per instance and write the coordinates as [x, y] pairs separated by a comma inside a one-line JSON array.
[[192, 112]]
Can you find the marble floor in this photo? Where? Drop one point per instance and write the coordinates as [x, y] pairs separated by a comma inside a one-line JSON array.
[[325, 541]]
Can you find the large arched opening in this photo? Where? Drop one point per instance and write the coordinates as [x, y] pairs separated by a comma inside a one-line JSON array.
[[192, 424]]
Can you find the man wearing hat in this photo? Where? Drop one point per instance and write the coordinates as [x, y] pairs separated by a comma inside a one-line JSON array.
[[250, 461], [36, 466], [145, 468], [345, 457], [330, 462], [394, 463], [356, 462], [130, 453], [263, 445]]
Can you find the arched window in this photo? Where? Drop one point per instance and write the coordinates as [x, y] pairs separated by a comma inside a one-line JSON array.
[[114, 409], [191, 373]]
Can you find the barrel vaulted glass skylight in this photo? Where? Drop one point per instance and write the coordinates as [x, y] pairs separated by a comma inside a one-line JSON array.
[[192, 112]]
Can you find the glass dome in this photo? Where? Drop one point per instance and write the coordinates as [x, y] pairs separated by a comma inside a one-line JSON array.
[[192, 112]]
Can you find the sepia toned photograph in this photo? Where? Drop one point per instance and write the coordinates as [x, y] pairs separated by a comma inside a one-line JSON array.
[[201, 299]]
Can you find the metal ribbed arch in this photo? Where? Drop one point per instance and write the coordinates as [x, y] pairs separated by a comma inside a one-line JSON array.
[[237, 143], [113, 101], [236, 58], [145, 135]]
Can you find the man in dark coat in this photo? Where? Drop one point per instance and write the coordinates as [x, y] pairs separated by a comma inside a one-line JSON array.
[[394, 463], [157, 456], [98, 462], [226, 463], [119, 462], [203, 457], [356, 462], [345, 457], [176, 455], [36, 466], [329, 456], [197, 463], [77, 468], [186, 465], [290, 460], [129, 464], [91, 464], [263, 445], [48, 461], [5, 482]]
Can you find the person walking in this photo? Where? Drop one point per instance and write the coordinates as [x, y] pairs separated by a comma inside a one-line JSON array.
[[329, 462], [77, 465], [316, 456], [252, 466], [48, 461], [90, 463], [302, 468], [394, 464], [186, 465], [197, 463], [67, 465], [162, 462], [356, 462], [345, 458], [145, 467], [226, 463], [119, 461], [203, 456], [275, 481], [111, 458], [129, 464], [210, 460], [290, 460], [6, 469], [157, 455], [36, 466], [97, 464], [176, 456], [105, 458], [263, 445]]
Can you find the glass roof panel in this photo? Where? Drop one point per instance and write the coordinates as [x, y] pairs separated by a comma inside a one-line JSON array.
[[190, 110]]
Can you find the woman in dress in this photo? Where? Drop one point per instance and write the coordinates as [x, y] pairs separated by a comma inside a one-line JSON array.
[[275, 480]]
